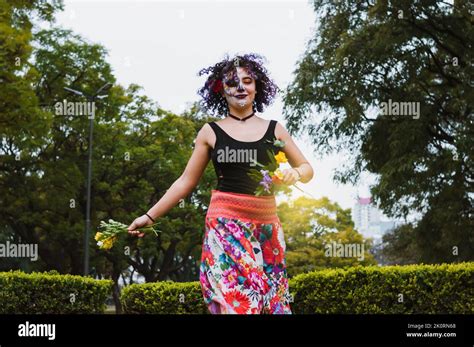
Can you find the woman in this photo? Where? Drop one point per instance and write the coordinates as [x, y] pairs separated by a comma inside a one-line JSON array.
[[243, 268]]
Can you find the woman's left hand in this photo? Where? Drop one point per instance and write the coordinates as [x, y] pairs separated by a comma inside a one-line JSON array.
[[290, 176]]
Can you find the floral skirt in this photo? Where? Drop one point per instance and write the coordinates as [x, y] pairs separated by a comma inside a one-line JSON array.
[[243, 266]]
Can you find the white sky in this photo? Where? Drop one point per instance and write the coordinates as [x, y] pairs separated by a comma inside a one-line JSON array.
[[161, 45]]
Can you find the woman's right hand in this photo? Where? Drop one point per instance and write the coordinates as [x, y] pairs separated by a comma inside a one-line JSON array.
[[139, 222]]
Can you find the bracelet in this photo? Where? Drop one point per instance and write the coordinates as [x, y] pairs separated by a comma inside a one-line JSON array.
[[299, 175], [150, 217]]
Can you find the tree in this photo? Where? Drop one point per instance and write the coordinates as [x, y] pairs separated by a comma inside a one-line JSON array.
[[399, 246], [314, 226], [369, 62], [20, 132], [139, 150]]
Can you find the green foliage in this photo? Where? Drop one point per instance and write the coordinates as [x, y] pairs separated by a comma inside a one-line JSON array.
[[139, 150], [425, 289], [51, 293], [312, 225], [400, 246], [164, 298], [367, 53]]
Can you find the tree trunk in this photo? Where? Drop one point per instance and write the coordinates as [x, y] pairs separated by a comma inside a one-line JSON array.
[[116, 293]]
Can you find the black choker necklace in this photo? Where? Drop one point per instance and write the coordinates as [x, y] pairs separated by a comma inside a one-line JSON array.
[[241, 119]]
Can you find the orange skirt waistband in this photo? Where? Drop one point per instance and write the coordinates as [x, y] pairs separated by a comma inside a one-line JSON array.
[[258, 209]]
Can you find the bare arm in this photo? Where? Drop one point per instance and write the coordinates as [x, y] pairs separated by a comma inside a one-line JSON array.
[[295, 157], [184, 185]]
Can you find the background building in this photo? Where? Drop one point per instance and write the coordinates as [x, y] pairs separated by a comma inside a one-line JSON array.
[[368, 220]]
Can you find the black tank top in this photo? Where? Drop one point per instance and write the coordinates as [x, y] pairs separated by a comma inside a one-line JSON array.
[[232, 159]]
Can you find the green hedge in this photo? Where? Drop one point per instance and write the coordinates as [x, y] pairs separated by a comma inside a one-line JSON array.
[[163, 297], [430, 289], [22, 293]]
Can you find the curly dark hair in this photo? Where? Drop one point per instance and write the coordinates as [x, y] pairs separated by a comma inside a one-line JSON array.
[[214, 102]]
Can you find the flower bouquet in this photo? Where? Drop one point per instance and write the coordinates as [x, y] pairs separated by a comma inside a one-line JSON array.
[[111, 230], [270, 176]]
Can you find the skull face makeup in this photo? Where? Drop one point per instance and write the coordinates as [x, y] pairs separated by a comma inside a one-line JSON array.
[[239, 87], [218, 101]]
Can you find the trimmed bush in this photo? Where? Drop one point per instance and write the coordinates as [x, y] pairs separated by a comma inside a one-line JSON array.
[[413, 289], [22, 293], [163, 297]]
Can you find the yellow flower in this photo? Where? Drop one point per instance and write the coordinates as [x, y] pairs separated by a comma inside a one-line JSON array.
[[98, 236], [108, 243], [278, 173], [277, 176], [281, 157]]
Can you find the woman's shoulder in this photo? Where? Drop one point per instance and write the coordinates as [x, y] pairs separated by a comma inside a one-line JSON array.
[[206, 134], [280, 130]]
